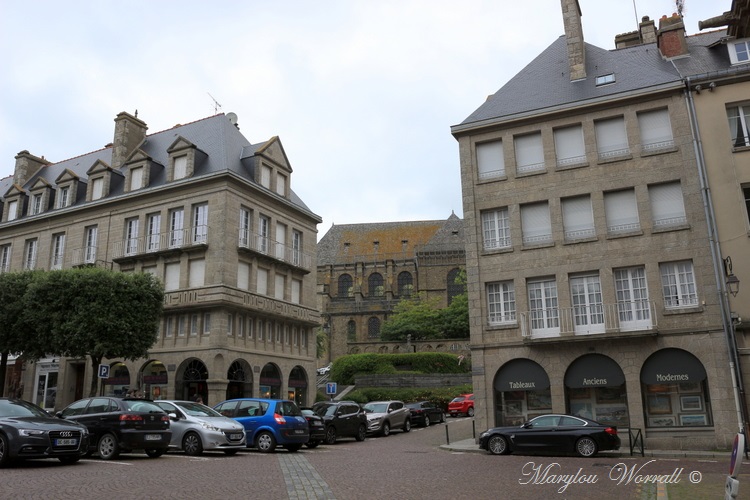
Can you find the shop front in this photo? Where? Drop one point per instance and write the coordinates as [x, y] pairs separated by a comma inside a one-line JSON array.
[[46, 374], [595, 389], [522, 392]]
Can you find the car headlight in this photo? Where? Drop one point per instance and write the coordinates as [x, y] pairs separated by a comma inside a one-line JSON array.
[[31, 432], [210, 427], [484, 434]]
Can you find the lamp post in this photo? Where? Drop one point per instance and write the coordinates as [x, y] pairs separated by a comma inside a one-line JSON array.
[[732, 281]]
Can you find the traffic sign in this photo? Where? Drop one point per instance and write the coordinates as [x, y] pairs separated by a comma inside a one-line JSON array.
[[331, 388], [103, 371]]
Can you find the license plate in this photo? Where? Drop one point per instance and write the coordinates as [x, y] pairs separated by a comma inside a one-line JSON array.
[[153, 437], [235, 436], [66, 442], [299, 431]]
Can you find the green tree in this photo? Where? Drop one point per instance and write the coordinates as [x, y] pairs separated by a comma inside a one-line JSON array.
[[455, 318], [12, 333], [417, 316], [94, 312], [321, 343]]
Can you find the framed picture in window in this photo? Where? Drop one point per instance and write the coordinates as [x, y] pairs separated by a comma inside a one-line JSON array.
[[536, 401], [693, 419], [666, 421], [690, 387], [691, 402], [579, 393], [659, 404], [609, 395], [513, 408], [584, 410]]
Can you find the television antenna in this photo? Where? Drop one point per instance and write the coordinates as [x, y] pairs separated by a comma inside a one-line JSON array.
[[217, 106]]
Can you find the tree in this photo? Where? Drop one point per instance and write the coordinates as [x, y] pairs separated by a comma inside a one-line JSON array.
[[321, 343], [94, 312], [417, 316], [12, 335]]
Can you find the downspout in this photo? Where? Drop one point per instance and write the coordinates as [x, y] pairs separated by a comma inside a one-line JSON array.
[[734, 369]]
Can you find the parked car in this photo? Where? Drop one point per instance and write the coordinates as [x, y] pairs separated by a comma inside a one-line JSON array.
[[268, 422], [425, 413], [552, 433], [384, 416], [342, 419], [27, 431], [316, 426], [324, 370], [121, 425], [462, 405], [197, 428]]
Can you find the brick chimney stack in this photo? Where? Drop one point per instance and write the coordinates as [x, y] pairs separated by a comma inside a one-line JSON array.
[[26, 165], [671, 37], [574, 38], [130, 132]]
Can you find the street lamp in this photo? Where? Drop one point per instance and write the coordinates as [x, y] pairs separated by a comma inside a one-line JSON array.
[[732, 281]]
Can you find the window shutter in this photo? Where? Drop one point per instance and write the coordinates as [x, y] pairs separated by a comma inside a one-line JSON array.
[[262, 282], [172, 276], [490, 160], [656, 130], [666, 204], [578, 219], [529, 153], [197, 272], [535, 221], [611, 138], [569, 147], [621, 211], [243, 275]]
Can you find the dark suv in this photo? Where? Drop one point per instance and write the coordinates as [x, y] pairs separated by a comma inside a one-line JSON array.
[[120, 425], [342, 419]]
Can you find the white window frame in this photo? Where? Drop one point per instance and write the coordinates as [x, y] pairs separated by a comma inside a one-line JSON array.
[[63, 193], [280, 246], [570, 149], [132, 227], [496, 229], [536, 225], [544, 312], [501, 303], [264, 228], [739, 125], [633, 306], [678, 284], [92, 234], [588, 304], [296, 247], [739, 51], [154, 233], [206, 323], [12, 210], [29, 255], [5, 258], [578, 218], [176, 227], [490, 160], [529, 153], [200, 223], [58, 251], [246, 226], [193, 325], [36, 203]]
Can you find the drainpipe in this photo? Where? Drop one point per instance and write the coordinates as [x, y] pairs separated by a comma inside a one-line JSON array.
[[734, 368]]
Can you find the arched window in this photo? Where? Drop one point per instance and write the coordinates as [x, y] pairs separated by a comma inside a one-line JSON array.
[[351, 330], [345, 285], [373, 328], [405, 284], [375, 285], [452, 286]]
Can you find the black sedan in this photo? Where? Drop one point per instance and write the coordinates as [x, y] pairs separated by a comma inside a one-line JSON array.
[[317, 427], [27, 431], [552, 433], [425, 413]]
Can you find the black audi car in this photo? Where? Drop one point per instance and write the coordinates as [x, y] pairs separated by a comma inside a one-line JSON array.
[[552, 433], [120, 425], [27, 431]]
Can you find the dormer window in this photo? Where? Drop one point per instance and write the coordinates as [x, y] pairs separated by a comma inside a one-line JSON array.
[[136, 178], [281, 185], [36, 204], [63, 197], [180, 167], [265, 176], [97, 188], [13, 210], [605, 79], [739, 52]]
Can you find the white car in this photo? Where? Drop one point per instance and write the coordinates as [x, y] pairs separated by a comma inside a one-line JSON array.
[[324, 370], [196, 427]]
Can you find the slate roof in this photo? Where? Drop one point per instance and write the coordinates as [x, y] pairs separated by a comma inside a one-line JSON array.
[[396, 240], [223, 144]]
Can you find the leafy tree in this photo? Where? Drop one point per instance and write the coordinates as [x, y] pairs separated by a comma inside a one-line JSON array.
[[455, 318], [321, 343], [94, 312], [417, 316], [12, 334]]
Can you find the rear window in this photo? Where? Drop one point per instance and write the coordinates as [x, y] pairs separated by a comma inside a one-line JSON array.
[[288, 408], [458, 399], [142, 406]]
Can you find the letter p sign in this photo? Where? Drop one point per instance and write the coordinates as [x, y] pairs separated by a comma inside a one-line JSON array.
[[103, 371]]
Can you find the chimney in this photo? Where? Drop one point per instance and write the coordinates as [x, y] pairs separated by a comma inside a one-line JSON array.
[[574, 38], [27, 165], [671, 37], [648, 30], [130, 132]]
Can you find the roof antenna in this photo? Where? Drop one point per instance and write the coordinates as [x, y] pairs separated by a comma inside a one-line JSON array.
[[216, 103]]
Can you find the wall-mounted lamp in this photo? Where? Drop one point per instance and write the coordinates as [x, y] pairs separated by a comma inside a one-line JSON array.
[[698, 89], [732, 281], [712, 86]]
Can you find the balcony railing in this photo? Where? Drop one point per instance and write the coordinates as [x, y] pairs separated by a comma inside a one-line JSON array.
[[280, 251], [157, 242], [587, 320]]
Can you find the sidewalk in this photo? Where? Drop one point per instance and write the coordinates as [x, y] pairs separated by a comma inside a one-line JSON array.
[[471, 446]]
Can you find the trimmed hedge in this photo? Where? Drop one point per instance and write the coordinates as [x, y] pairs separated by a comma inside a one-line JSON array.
[[440, 396], [345, 368]]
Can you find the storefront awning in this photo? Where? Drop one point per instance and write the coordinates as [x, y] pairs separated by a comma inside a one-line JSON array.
[[521, 375], [594, 370], [670, 366]]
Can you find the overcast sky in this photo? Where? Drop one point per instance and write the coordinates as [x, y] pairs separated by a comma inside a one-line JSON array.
[[362, 93]]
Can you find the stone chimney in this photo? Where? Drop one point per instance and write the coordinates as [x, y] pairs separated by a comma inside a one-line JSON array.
[[574, 38], [671, 37], [26, 165], [648, 30], [129, 134]]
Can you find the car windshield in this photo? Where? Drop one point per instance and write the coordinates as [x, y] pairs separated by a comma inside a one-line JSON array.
[[458, 399], [376, 407], [198, 410], [326, 410], [20, 409], [288, 408], [142, 406]]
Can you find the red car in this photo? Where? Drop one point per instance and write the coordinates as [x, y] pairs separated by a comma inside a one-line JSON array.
[[462, 405]]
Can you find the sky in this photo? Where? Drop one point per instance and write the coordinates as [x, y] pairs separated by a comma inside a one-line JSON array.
[[362, 93]]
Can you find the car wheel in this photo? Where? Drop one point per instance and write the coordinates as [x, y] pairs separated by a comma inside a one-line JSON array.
[[442, 417], [498, 445], [312, 444], [4, 452], [230, 452], [586, 447], [361, 433], [108, 447], [68, 460], [192, 444], [265, 442], [330, 435], [426, 422], [470, 413], [386, 430], [293, 447], [155, 452], [407, 425]]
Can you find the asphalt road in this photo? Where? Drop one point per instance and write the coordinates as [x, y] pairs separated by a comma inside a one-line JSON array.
[[401, 466]]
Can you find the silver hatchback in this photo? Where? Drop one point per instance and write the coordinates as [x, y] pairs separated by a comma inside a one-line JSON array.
[[196, 427]]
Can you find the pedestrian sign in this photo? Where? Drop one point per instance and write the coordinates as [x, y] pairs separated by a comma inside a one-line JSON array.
[[103, 371], [331, 388]]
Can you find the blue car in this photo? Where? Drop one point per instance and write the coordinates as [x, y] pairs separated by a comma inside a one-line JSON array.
[[268, 422]]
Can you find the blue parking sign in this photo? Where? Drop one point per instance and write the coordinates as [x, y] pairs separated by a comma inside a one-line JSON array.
[[103, 371], [331, 388]]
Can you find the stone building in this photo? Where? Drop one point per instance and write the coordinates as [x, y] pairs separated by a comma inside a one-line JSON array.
[[365, 269], [216, 219], [591, 270]]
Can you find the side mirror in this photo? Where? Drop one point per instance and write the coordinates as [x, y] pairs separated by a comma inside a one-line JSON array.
[[173, 416], [527, 425], [59, 414]]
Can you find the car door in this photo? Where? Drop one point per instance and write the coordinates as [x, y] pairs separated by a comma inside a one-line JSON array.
[[538, 435], [398, 414], [349, 419], [178, 424], [568, 432], [99, 419]]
